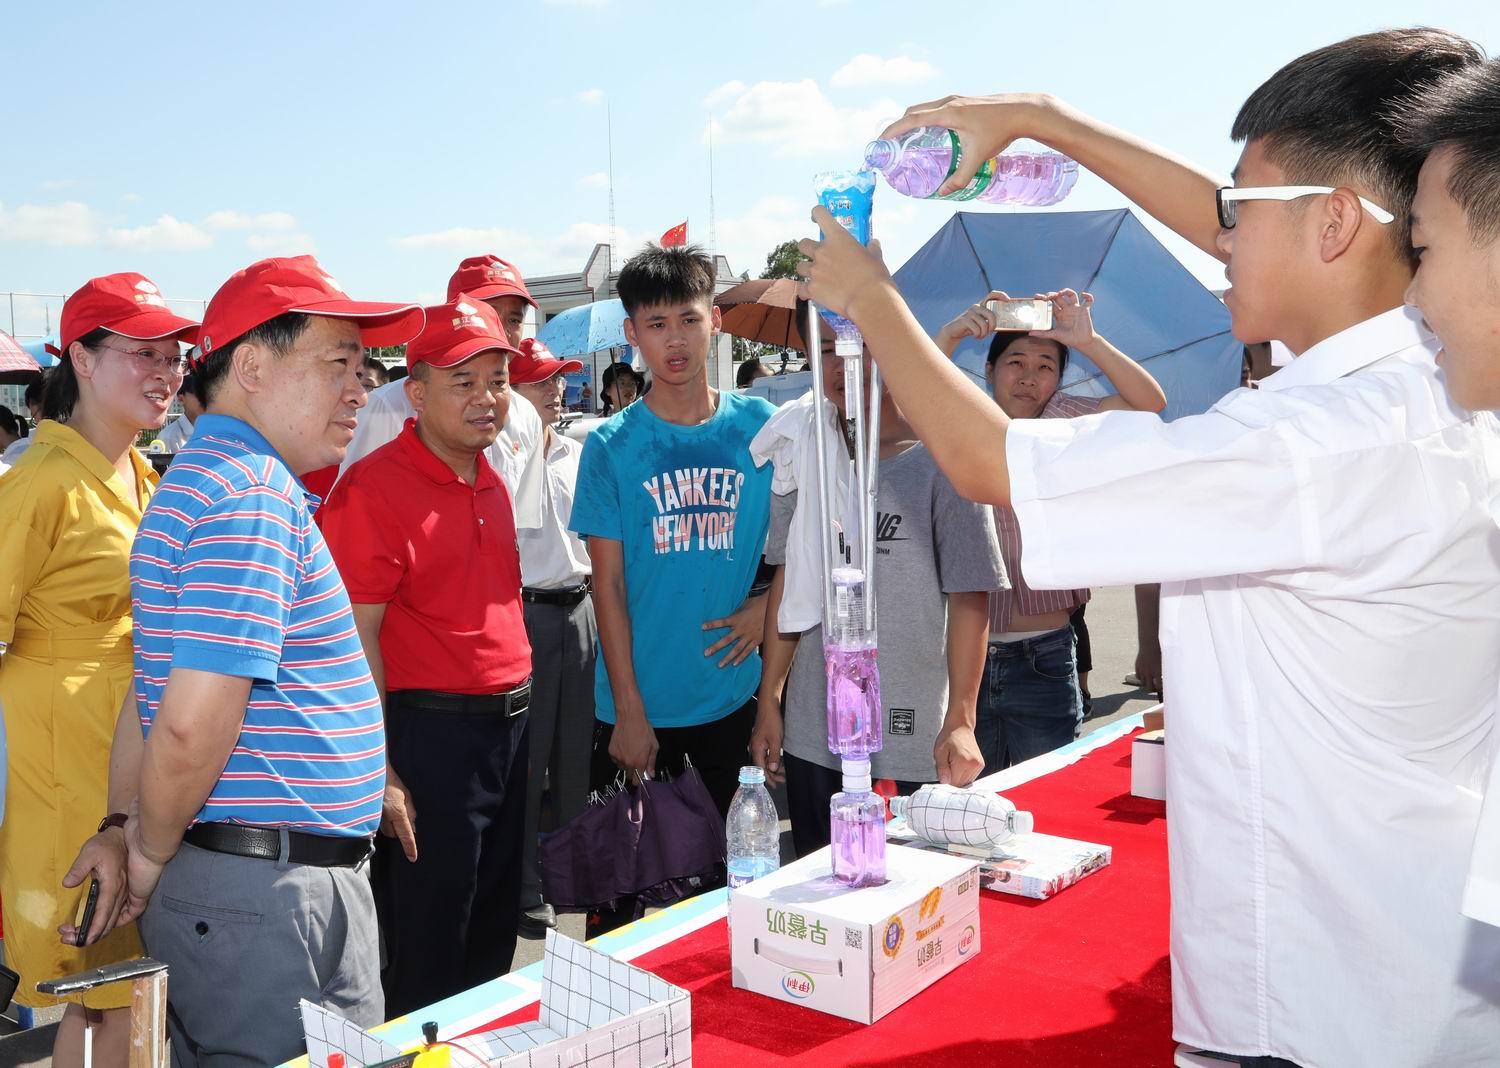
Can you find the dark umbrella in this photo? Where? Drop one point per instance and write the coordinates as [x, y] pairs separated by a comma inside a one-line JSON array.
[[762, 309]]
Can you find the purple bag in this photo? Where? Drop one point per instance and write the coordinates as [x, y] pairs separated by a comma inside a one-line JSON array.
[[659, 841]]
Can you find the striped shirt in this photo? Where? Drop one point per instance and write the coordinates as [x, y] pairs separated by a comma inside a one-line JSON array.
[[230, 575], [1021, 599]]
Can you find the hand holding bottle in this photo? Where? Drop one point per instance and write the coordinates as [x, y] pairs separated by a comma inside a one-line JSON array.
[[985, 125], [838, 270]]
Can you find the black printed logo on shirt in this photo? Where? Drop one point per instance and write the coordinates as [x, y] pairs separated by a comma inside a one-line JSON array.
[[886, 526], [904, 721]]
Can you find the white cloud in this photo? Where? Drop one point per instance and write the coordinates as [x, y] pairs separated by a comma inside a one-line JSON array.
[[289, 243], [591, 97], [167, 234], [866, 69], [239, 220], [53, 185], [68, 223], [131, 198], [746, 239], [794, 117], [597, 180], [536, 254]]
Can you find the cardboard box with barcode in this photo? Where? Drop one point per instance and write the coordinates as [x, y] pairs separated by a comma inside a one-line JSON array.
[[798, 936]]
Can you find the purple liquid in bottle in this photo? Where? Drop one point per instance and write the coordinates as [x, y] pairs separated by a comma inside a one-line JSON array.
[[854, 716], [917, 163], [857, 829]]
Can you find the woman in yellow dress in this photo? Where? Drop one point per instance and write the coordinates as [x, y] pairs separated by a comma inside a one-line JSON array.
[[68, 513]]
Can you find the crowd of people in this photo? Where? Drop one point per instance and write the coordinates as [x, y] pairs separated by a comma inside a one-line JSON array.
[[298, 705]]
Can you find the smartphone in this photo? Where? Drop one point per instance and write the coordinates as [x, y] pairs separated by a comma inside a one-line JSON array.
[[85, 918], [1021, 314]]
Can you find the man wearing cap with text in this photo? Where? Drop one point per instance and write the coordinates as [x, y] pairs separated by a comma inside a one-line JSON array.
[[262, 767], [559, 621], [423, 532], [500, 285]]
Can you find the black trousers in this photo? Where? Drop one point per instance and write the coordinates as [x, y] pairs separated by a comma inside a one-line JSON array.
[[450, 918], [809, 789], [717, 750]]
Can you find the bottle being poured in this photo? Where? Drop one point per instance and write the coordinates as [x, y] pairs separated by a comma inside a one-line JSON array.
[[917, 163]]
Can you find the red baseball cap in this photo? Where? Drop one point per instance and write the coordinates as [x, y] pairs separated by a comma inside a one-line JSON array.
[[457, 331], [274, 287], [488, 277], [127, 304], [537, 364]]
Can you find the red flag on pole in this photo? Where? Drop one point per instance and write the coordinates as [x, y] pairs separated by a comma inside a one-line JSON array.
[[677, 236]]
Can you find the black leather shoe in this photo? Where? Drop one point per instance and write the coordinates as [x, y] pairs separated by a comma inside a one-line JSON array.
[[538, 920]]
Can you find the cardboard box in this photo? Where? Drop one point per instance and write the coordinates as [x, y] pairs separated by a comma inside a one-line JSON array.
[[798, 936], [1148, 765], [1030, 865]]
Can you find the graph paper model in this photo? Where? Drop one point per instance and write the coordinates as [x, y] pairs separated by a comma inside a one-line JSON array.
[[596, 1012]]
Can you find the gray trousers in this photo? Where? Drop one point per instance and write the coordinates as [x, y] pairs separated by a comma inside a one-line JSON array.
[[244, 940], [562, 720]]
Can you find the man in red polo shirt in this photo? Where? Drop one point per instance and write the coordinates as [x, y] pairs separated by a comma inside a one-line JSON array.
[[423, 533]]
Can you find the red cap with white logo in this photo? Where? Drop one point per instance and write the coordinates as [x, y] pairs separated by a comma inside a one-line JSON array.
[[488, 277], [457, 331], [274, 287], [537, 364], [127, 304]]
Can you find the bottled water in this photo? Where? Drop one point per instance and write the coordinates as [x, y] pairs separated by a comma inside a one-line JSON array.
[[918, 162], [857, 829], [854, 709], [752, 829]]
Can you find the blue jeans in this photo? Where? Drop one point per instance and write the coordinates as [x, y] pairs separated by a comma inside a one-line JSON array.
[[1029, 701]]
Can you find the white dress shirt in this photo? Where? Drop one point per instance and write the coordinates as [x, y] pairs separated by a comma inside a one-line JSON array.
[[177, 434], [1330, 624], [387, 409], [14, 450], [552, 556]]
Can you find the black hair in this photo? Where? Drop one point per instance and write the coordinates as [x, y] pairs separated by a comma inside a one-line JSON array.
[[35, 389], [278, 335], [1462, 112], [379, 368], [1329, 117], [9, 424], [747, 373], [607, 379], [656, 275], [59, 388], [1003, 339]]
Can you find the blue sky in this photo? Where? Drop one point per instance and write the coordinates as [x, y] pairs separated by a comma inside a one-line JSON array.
[[187, 140]]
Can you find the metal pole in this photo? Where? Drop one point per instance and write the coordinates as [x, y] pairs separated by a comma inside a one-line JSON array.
[[813, 334], [872, 493], [854, 407]]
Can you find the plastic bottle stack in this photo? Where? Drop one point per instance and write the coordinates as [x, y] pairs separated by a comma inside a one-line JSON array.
[[917, 163], [857, 829], [753, 831]]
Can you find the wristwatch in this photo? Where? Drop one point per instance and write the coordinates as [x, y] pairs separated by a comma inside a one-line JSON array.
[[114, 819]]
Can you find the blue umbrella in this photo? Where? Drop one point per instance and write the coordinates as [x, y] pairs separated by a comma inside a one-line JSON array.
[[1147, 303], [585, 329]]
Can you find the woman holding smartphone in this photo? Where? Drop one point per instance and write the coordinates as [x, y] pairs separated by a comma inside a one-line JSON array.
[[69, 509], [1030, 701]]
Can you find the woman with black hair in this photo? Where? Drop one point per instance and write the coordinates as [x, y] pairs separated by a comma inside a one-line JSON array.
[[621, 386], [1030, 699], [69, 510]]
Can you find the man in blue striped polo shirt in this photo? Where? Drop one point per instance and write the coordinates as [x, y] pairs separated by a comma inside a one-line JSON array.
[[262, 768]]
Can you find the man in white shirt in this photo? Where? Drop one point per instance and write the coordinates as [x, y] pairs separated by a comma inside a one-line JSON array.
[[1456, 230], [180, 431], [1331, 575], [33, 399], [500, 285], [555, 573]]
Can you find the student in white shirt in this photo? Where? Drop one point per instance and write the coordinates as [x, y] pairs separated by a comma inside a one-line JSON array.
[[1456, 235], [555, 574], [1331, 574], [180, 431]]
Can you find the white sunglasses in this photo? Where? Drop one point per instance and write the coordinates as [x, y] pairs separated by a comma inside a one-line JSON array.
[[1228, 196]]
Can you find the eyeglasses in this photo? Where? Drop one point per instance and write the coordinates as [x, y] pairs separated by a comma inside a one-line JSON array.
[[149, 360], [1228, 197]]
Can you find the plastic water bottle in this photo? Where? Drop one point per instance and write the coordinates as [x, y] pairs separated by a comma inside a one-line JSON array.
[[857, 829], [918, 162], [854, 709], [753, 831]]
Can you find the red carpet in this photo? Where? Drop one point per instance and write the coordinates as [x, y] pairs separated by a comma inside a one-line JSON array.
[[1081, 979]]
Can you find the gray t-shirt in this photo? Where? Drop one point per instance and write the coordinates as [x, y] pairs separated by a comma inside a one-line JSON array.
[[929, 542]]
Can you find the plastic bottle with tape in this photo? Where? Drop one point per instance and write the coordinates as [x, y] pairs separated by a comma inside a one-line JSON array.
[[948, 815]]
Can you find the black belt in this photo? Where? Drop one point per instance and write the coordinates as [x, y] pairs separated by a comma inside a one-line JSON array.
[[264, 843], [510, 703], [565, 597]]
